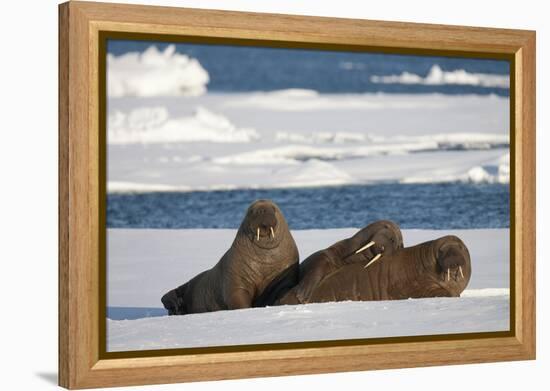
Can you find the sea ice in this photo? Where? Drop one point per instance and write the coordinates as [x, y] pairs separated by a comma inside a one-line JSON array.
[[143, 264]]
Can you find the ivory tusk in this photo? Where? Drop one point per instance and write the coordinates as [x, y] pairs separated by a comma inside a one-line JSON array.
[[460, 268], [376, 258], [448, 274], [272, 232], [369, 244], [258, 234]]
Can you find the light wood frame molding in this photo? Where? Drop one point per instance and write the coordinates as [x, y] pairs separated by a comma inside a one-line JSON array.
[[82, 161]]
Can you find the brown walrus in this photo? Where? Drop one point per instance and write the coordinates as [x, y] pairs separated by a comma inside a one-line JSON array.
[[367, 245], [438, 268], [262, 260]]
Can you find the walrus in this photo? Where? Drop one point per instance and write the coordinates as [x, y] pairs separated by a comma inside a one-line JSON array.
[[262, 260], [382, 237], [437, 268]]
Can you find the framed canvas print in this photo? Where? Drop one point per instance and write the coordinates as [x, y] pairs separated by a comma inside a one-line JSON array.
[[251, 195]]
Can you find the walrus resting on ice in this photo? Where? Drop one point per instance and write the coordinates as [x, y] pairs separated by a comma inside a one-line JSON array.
[[438, 268], [262, 260], [381, 238]]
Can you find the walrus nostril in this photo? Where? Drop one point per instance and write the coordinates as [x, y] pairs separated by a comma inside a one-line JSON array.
[[261, 211]]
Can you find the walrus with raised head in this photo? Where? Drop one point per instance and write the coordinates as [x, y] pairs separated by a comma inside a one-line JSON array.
[[437, 268], [380, 238], [262, 261]]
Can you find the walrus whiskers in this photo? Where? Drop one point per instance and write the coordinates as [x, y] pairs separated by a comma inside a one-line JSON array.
[[272, 232], [369, 244], [376, 258], [460, 269], [258, 234]]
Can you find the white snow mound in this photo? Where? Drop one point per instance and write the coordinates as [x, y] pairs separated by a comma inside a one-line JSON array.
[[437, 76], [155, 73], [155, 125]]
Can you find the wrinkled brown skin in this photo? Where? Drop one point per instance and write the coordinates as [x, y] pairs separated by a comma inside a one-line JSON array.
[[412, 272], [249, 274], [387, 236]]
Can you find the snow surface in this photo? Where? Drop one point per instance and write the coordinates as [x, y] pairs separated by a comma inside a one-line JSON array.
[[143, 264], [312, 322], [299, 138]]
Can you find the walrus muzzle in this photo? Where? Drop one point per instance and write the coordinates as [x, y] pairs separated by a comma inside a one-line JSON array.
[[442, 268], [263, 224], [173, 303]]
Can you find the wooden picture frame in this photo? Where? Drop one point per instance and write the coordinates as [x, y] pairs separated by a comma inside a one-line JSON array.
[[82, 30]]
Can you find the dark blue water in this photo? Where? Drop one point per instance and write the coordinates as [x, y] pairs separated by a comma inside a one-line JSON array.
[[131, 313], [240, 69], [429, 206]]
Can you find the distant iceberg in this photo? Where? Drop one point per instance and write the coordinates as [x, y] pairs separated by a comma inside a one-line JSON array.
[[437, 76], [155, 73], [295, 100]]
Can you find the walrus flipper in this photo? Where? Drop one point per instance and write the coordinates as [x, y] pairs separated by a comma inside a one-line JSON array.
[[278, 287], [309, 283], [238, 299]]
